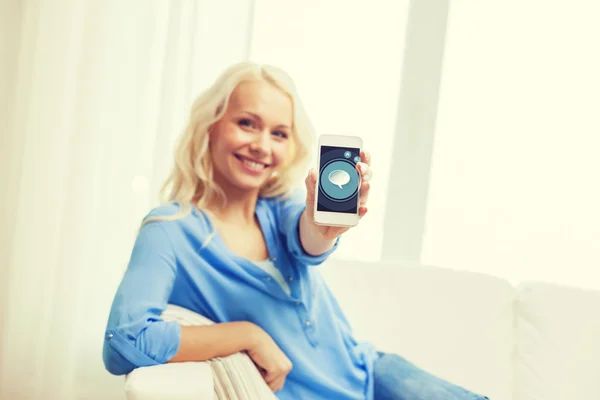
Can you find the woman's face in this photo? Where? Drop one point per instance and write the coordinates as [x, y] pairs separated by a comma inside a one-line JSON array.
[[253, 137]]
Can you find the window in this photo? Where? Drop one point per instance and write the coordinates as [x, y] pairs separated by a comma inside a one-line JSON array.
[[514, 187]]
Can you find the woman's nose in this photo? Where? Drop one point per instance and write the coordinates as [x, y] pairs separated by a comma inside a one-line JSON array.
[[262, 142]]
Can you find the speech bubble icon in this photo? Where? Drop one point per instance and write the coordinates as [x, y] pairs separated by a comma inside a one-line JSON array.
[[339, 177]]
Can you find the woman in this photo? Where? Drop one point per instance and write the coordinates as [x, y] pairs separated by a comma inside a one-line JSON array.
[[232, 244]]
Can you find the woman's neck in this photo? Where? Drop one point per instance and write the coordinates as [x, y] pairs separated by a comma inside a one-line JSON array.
[[238, 208]]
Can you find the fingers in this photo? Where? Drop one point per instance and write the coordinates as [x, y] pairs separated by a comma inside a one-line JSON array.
[[362, 210], [311, 180], [364, 166], [365, 188], [272, 376], [310, 183], [276, 380], [365, 171], [276, 384], [365, 156], [366, 174], [311, 177]]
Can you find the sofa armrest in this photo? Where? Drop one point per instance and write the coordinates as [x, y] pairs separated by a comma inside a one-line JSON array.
[[177, 381], [181, 381]]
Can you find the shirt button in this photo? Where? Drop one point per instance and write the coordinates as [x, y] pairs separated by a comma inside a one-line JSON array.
[[307, 323], [291, 278], [110, 335], [268, 278], [274, 258], [297, 303]]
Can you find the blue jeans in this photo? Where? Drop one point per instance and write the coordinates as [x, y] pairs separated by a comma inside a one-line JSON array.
[[397, 379]]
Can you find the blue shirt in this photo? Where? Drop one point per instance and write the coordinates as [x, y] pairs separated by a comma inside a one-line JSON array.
[[184, 262]]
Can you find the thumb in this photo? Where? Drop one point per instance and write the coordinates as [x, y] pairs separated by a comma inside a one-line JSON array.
[[311, 182]]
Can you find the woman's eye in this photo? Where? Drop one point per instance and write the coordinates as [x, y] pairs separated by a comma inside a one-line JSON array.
[[246, 123], [281, 134]]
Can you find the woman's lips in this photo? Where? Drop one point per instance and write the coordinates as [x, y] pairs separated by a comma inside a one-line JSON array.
[[251, 165]]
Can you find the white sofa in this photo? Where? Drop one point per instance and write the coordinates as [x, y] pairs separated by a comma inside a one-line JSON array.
[[534, 342]]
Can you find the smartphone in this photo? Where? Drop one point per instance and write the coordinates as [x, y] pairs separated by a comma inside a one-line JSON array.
[[338, 182]]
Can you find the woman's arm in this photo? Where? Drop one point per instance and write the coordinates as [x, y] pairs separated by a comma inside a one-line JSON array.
[[302, 241], [201, 343], [313, 242], [136, 335]]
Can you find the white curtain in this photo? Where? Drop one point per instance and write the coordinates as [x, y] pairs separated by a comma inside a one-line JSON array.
[[92, 95]]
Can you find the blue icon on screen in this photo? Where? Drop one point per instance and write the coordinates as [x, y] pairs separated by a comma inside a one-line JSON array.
[[339, 180], [347, 154]]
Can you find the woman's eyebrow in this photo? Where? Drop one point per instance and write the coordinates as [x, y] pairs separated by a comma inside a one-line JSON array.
[[260, 119]]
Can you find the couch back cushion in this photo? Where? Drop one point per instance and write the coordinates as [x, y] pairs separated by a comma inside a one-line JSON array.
[[456, 325], [558, 343]]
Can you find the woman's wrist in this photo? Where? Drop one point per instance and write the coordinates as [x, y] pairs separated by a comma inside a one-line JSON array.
[[312, 238], [254, 335]]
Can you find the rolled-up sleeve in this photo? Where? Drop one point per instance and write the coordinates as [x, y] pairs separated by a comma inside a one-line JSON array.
[[136, 336], [289, 211]]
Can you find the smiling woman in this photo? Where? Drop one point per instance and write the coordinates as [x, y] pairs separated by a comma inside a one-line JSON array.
[[252, 139], [258, 110], [243, 254]]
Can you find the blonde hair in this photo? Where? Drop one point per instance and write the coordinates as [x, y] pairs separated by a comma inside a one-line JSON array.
[[191, 179]]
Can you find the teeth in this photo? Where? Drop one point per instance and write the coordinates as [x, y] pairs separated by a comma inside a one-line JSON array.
[[253, 165]]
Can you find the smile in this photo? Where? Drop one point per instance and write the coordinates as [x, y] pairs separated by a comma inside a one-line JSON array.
[[251, 164]]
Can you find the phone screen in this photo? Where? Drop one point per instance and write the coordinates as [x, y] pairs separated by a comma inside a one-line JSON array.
[[338, 180]]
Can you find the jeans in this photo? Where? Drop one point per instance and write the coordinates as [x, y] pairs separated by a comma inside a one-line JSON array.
[[398, 379]]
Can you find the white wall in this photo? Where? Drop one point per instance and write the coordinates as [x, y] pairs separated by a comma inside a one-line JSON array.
[[515, 187]]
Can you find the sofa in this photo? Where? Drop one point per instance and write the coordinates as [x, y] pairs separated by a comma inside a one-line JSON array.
[[536, 341]]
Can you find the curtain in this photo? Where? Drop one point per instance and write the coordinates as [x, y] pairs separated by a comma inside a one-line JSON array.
[[93, 95]]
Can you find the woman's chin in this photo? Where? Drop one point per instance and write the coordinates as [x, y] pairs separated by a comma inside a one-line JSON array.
[[239, 179], [249, 183]]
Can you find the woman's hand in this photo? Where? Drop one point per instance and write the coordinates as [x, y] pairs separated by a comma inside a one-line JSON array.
[[332, 232], [270, 360]]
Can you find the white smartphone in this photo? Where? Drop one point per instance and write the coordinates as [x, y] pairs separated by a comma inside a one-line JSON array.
[[338, 182]]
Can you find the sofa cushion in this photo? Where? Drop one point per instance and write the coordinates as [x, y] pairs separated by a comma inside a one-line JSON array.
[[457, 325], [557, 348]]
